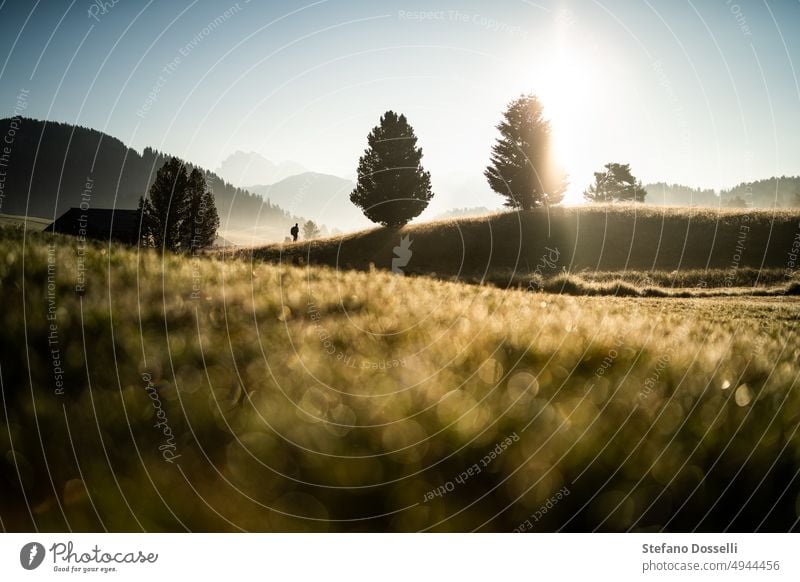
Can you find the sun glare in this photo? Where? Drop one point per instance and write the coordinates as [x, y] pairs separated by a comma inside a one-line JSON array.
[[569, 88]]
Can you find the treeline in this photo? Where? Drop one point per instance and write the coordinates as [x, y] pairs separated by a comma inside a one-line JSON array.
[[678, 195], [782, 192], [49, 163]]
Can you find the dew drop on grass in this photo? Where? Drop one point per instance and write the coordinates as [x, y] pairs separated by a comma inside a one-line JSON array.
[[491, 371], [522, 386], [743, 395]]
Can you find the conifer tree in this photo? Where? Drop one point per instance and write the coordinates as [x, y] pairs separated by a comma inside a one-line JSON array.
[[165, 207], [392, 187], [615, 184], [199, 228], [522, 167]]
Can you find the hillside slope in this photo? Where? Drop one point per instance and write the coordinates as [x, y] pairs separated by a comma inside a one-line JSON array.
[[592, 238], [52, 167]]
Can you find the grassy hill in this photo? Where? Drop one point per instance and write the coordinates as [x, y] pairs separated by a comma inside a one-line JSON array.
[[511, 248], [29, 222], [214, 394]]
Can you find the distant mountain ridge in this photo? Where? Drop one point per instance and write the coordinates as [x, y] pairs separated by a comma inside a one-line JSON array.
[[244, 168], [321, 197], [51, 167]]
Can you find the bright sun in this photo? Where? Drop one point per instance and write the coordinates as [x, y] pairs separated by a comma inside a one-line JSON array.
[[569, 87], [561, 104], [566, 94]]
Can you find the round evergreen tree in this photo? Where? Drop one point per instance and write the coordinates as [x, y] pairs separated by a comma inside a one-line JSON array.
[[615, 184], [165, 207], [392, 185]]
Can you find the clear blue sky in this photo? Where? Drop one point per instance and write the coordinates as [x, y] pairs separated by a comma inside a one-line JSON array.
[[703, 93]]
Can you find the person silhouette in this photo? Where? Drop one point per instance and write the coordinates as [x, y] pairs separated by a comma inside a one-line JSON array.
[[295, 231]]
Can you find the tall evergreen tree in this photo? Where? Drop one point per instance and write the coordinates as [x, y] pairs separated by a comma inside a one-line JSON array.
[[179, 213], [392, 185], [199, 227], [165, 207], [522, 167], [615, 184]]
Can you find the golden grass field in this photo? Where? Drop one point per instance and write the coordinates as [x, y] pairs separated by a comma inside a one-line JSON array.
[[225, 393]]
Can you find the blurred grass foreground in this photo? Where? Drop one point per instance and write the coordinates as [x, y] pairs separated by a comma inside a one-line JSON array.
[[175, 393]]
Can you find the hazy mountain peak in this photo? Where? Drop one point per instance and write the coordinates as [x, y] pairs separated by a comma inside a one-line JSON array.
[[242, 168], [321, 197]]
